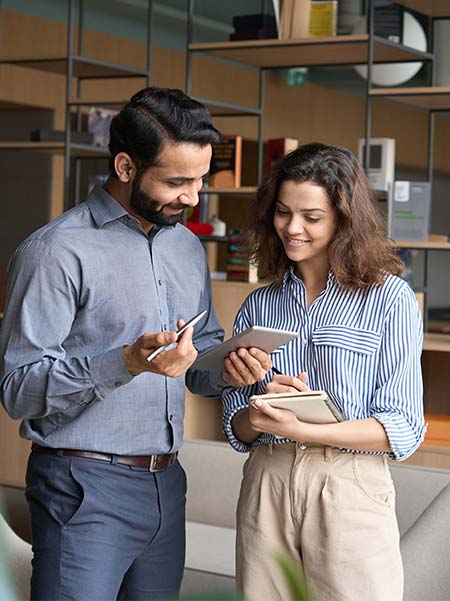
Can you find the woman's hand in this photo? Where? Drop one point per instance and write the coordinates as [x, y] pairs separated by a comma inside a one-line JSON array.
[[280, 422], [288, 383]]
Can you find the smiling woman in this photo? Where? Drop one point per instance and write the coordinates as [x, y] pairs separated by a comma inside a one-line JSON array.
[[322, 493], [305, 223]]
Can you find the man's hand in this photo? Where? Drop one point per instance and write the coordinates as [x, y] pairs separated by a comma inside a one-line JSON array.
[[171, 363], [246, 366], [288, 384]]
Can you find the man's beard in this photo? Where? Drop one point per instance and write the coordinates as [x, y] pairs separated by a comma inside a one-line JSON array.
[[150, 209]]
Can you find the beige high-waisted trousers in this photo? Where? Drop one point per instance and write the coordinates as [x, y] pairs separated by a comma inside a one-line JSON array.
[[332, 512]]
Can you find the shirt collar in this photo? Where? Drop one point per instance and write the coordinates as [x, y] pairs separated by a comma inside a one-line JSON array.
[[104, 208]]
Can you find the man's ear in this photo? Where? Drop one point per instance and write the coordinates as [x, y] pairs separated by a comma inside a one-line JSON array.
[[124, 167]]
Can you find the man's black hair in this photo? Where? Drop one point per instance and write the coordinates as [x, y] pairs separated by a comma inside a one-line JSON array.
[[154, 115]]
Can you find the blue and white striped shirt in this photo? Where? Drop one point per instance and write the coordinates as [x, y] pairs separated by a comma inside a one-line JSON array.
[[362, 346]]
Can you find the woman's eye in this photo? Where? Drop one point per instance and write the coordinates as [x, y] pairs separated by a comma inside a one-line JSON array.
[[281, 212], [312, 219]]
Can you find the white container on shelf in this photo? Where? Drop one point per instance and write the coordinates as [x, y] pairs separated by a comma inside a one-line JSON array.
[[220, 227]]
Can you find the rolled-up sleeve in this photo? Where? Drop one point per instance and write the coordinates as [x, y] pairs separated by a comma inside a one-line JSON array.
[[236, 399], [398, 400], [37, 377]]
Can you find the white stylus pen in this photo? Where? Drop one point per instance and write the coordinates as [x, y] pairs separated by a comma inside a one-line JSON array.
[[188, 324]]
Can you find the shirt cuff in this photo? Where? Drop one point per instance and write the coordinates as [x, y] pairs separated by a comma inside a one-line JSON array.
[[237, 444], [403, 439], [218, 384], [108, 371]]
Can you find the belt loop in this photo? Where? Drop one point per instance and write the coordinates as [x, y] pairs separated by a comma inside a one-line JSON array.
[[114, 459], [270, 448], [328, 453], [60, 452]]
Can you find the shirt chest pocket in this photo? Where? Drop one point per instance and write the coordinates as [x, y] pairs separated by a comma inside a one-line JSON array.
[[341, 350]]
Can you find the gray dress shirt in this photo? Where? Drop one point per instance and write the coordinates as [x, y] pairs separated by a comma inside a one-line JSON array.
[[79, 289]]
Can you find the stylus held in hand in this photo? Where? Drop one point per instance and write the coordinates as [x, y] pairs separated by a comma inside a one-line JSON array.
[[188, 324]]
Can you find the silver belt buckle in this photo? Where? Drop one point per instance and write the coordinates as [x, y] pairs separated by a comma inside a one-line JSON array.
[[153, 462]]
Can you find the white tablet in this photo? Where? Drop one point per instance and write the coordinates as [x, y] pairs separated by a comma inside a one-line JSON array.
[[266, 339]]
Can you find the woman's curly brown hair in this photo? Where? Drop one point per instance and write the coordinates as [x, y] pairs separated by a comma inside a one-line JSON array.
[[360, 253]]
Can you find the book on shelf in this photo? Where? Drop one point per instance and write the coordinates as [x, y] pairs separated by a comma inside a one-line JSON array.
[[381, 161], [226, 163], [252, 27], [276, 148], [388, 21], [438, 238], [238, 266], [308, 18], [409, 210], [294, 19], [323, 18]]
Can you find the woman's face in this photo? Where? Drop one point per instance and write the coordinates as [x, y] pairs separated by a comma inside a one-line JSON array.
[[305, 222]]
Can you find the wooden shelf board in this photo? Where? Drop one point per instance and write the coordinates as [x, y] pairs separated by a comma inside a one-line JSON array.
[[116, 104], [438, 431], [304, 52], [431, 98], [430, 245], [83, 67], [215, 108], [82, 150], [432, 8], [436, 342], [243, 191]]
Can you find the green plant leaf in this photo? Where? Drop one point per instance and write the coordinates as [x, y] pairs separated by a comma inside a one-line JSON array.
[[294, 578]]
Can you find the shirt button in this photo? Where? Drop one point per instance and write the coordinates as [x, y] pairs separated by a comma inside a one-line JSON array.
[[301, 446], [159, 283], [304, 341], [170, 417], [118, 383]]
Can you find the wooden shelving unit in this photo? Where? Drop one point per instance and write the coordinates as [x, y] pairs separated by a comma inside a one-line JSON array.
[[438, 9], [424, 245], [309, 52], [83, 67], [437, 342], [429, 98], [243, 191], [79, 150], [354, 50]]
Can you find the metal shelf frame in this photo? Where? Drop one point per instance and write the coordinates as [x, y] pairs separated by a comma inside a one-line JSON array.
[[377, 52], [76, 15], [75, 65]]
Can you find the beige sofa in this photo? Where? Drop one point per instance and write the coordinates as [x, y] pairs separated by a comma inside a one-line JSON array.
[[214, 474]]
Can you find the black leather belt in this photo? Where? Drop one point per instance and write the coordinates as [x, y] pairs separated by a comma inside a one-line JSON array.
[[154, 463]]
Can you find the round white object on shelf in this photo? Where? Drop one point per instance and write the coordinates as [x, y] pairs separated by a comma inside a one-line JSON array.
[[395, 74]]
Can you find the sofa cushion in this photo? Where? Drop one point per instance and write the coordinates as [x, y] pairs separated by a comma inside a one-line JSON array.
[[214, 474], [210, 548], [415, 488], [425, 551]]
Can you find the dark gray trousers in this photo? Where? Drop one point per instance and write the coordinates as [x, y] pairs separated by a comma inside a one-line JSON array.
[[103, 532]]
